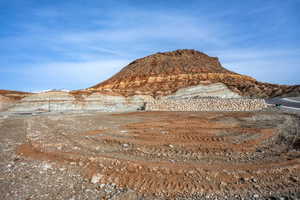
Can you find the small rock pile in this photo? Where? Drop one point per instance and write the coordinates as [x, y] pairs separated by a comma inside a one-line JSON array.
[[207, 104]]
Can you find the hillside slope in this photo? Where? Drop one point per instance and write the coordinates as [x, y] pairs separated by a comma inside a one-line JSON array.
[[165, 73]]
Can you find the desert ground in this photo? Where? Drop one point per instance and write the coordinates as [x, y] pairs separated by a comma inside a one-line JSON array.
[[150, 155]]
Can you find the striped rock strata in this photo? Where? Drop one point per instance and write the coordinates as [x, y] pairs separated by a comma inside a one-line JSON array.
[[162, 74], [213, 90], [64, 101], [9, 98], [5, 103]]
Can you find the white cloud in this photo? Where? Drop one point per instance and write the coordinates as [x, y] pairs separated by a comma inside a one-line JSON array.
[[86, 56], [154, 27]]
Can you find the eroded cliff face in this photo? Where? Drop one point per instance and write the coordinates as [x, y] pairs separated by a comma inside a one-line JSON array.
[[14, 95], [64, 101], [9, 98], [4, 103], [164, 73]]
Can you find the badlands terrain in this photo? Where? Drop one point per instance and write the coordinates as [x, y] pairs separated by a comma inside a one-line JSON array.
[[174, 125]]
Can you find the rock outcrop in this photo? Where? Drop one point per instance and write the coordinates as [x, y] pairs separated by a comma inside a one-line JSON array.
[[164, 73], [64, 101], [5, 103], [14, 95], [213, 90], [9, 98]]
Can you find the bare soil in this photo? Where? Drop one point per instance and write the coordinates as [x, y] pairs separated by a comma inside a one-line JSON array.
[[150, 155]]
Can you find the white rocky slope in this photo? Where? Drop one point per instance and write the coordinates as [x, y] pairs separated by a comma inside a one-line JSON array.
[[67, 101], [219, 90]]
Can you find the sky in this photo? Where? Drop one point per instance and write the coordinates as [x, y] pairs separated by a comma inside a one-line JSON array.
[[74, 44]]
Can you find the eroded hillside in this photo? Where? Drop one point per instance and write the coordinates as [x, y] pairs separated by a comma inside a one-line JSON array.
[[165, 73]]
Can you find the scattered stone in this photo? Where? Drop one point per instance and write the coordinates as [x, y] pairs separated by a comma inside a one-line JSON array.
[[294, 179], [125, 145], [242, 180], [129, 195], [96, 178], [25, 181], [206, 104], [46, 166], [254, 180], [283, 198]]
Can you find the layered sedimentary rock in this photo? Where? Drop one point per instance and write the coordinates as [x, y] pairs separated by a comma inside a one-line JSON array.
[[5, 103], [165, 73], [64, 101], [9, 98], [213, 90], [14, 95]]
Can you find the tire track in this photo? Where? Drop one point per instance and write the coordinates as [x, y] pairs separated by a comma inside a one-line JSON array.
[[175, 155]]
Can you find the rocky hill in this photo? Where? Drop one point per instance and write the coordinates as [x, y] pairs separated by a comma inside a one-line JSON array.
[[176, 75], [165, 73]]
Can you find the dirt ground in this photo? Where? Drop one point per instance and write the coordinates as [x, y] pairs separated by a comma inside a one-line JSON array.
[[150, 155]]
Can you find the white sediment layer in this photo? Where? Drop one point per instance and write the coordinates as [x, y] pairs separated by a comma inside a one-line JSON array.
[[213, 90], [63, 101], [186, 99]]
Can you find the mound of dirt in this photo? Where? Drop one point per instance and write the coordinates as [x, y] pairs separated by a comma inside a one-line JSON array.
[[165, 73]]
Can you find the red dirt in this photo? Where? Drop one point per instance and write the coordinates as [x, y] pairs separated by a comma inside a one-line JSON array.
[[172, 154]]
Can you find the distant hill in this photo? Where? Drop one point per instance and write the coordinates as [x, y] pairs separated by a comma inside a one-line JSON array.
[[165, 73]]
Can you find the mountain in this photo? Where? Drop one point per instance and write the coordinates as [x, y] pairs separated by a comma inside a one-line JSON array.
[[165, 73]]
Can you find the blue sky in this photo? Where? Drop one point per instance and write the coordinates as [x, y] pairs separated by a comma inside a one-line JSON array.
[[72, 44]]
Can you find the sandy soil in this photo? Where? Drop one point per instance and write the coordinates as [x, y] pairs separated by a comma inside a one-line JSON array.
[[150, 155]]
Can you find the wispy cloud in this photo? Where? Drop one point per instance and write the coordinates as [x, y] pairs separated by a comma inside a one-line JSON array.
[[158, 26], [74, 47]]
